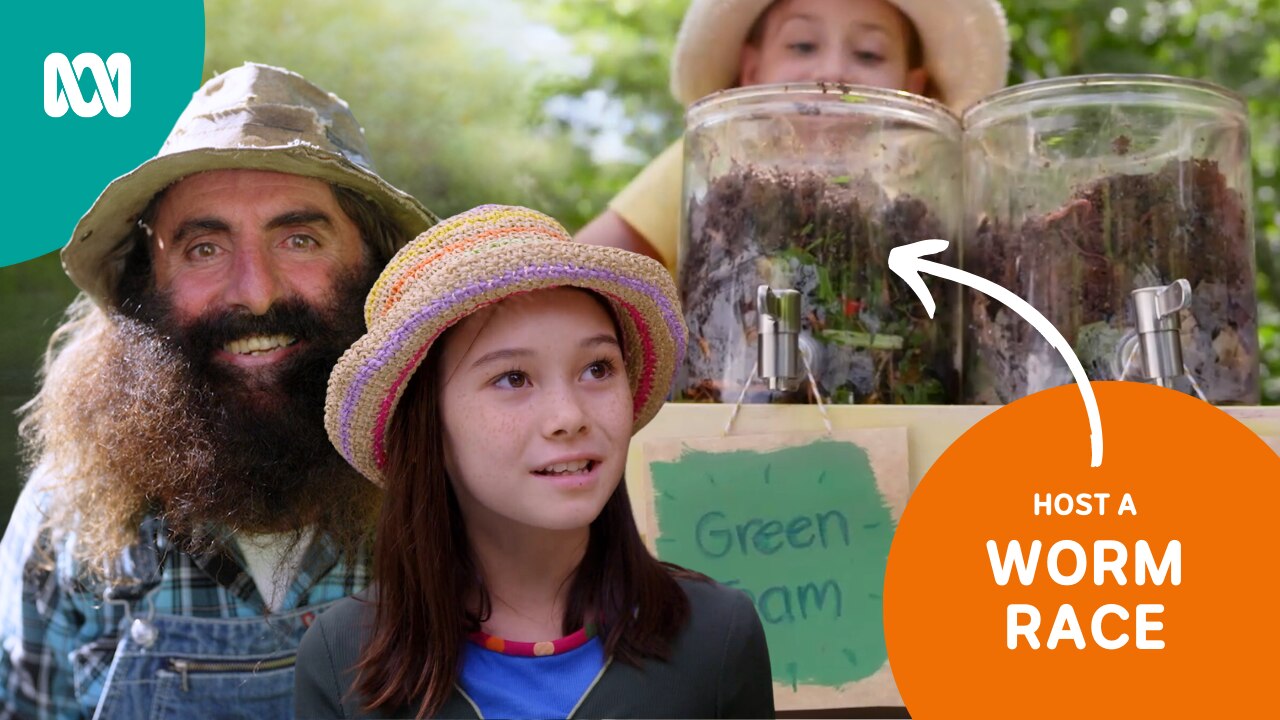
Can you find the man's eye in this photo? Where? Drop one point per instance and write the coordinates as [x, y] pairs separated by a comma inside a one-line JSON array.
[[513, 380], [202, 251], [301, 242]]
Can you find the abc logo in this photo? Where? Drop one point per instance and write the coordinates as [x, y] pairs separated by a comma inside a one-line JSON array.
[[62, 85]]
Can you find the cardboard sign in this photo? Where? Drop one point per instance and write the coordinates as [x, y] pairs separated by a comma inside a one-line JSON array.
[[803, 525]]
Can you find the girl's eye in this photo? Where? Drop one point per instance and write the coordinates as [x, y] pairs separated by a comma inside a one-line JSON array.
[[868, 57], [803, 48], [512, 380], [301, 242], [599, 370]]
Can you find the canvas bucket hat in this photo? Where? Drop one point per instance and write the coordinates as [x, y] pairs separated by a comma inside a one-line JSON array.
[[478, 258], [965, 42], [254, 117]]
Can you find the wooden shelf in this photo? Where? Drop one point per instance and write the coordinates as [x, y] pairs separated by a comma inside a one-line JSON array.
[[930, 428]]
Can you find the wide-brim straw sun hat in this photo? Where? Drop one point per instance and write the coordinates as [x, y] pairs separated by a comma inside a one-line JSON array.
[[479, 258], [254, 117], [965, 43]]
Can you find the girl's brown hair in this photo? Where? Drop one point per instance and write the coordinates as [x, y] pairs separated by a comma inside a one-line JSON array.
[[425, 572]]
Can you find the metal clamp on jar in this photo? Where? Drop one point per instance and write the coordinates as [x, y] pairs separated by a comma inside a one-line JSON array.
[[1159, 330]]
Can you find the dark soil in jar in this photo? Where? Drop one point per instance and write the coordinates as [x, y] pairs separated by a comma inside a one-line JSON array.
[[1079, 263], [829, 238]]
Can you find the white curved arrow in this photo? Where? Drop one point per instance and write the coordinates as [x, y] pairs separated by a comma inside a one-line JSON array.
[[907, 262]]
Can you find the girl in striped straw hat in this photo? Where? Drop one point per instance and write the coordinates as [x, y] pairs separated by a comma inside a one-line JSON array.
[[494, 396]]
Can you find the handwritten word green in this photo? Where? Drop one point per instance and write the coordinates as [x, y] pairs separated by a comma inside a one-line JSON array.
[[716, 539]]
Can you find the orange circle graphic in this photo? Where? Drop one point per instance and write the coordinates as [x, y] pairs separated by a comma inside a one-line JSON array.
[[1189, 632]]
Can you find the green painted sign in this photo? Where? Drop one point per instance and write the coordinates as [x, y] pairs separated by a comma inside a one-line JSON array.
[[804, 530]]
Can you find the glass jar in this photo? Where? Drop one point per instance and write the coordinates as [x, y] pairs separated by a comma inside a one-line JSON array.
[[807, 188], [1080, 191]]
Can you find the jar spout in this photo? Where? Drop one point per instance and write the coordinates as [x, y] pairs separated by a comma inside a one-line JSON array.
[[1159, 329], [778, 339]]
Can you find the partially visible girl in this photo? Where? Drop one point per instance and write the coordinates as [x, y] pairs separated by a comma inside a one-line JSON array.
[[494, 398], [954, 51]]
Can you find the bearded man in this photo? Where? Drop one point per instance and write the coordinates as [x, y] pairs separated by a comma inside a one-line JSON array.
[[186, 516]]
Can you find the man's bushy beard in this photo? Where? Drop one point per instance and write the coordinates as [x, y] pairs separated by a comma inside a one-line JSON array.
[[255, 456]]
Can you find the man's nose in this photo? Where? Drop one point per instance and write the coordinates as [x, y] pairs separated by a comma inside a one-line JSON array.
[[256, 282]]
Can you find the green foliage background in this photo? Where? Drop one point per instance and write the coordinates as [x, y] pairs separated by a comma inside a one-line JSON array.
[[555, 104]]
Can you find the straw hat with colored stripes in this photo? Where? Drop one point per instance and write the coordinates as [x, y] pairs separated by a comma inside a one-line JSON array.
[[475, 259]]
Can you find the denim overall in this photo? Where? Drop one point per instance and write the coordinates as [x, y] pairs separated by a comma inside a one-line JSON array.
[[170, 666]]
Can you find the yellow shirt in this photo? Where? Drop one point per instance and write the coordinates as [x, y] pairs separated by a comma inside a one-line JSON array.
[[650, 203]]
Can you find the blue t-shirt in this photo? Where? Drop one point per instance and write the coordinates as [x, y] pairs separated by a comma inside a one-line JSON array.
[[514, 686]]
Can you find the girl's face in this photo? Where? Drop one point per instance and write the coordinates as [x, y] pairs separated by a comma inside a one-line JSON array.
[[861, 42], [536, 410]]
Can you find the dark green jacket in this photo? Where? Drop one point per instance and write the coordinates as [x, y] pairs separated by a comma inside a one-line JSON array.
[[719, 667]]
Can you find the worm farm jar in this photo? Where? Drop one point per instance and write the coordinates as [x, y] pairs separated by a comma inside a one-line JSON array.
[[802, 190], [1118, 206]]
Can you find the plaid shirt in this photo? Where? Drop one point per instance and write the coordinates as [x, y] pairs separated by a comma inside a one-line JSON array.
[[59, 636]]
